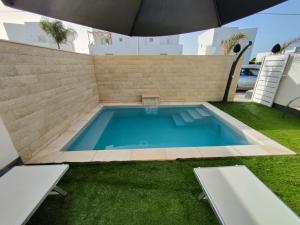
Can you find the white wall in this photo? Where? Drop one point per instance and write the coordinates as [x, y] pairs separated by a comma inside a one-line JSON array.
[[9, 15], [261, 56], [12, 28], [8, 152], [205, 42], [121, 45], [124, 45], [31, 33], [289, 87], [165, 45], [210, 41], [251, 36]]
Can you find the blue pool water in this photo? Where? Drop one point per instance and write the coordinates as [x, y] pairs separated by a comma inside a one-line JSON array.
[[130, 128]]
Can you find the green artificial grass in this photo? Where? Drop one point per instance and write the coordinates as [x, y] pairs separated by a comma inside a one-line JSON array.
[[165, 192]]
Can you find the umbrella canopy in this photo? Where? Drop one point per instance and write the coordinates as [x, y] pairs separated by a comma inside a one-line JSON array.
[[145, 17]]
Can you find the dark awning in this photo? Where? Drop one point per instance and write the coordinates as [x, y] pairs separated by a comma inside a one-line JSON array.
[[145, 17]]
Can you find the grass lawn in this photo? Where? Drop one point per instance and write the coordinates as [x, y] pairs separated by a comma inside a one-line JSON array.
[[165, 193]]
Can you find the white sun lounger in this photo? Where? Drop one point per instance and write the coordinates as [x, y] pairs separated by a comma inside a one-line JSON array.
[[238, 197], [23, 189]]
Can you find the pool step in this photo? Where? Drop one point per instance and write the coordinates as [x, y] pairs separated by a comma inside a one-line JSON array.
[[186, 117], [178, 120], [97, 128], [202, 112], [194, 114], [189, 116]]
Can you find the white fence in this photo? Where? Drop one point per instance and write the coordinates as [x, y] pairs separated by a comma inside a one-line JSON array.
[[268, 80]]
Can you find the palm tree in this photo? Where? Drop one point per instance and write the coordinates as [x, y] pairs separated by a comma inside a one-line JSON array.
[[229, 44], [287, 44], [57, 31]]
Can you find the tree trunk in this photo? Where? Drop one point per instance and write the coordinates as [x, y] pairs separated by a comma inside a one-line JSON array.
[[58, 46]]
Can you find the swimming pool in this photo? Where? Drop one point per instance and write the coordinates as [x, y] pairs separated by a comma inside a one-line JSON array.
[[117, 128]]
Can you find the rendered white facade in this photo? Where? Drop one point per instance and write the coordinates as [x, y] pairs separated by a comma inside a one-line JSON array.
[[295, 48], [261, 55], [289, 86], [18, 17], [105, 43], [31, 33], [210, 42]]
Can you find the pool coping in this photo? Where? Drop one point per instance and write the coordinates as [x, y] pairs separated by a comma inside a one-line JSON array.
[[262, 145]]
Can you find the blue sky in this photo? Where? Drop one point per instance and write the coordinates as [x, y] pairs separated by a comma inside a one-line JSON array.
[[272, 29]]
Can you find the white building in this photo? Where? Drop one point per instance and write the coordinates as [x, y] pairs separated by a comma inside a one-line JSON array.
[[261, 55], [18, 17], [31, 33], [106, 43], [290, 50], [289, 86], [293, 49], [210, 42], [23, 27]]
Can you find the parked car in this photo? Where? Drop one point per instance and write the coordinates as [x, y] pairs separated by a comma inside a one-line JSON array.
[[248, 77]]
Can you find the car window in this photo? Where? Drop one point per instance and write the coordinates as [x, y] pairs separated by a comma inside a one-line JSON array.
[[249, 72]]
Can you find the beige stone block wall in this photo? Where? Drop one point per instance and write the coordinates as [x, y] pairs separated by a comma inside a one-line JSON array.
[[174, 78], [42, 91]]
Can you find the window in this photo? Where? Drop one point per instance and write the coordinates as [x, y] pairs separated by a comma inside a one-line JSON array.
[[163, 53], [249, 72], [121, 39], [105, 41], [150, 39]]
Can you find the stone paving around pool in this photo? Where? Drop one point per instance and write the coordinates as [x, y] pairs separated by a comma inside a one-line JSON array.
[[262, 145]]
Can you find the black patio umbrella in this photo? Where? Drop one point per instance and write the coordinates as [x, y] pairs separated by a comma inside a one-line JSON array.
[[145, 17]]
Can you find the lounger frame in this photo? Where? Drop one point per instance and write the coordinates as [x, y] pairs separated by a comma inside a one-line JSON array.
[[205, 194]]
